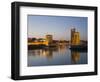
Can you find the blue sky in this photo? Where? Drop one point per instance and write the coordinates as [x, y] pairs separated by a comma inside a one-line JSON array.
[[58, 26]]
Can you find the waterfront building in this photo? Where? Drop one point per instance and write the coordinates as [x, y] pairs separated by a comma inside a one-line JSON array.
[[75, 37], [41, 41], [72, 33], [38, 43], [49, 38]]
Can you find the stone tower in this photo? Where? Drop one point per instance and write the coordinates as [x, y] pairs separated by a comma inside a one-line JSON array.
[[75, 37], [72, 34], [49, 38]]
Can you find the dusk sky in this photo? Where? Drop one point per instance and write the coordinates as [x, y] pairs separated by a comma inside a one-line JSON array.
[[58, 26]]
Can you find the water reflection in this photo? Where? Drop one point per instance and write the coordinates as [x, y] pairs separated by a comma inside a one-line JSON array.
[[47, 53], [60, 55], [75, 56]]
